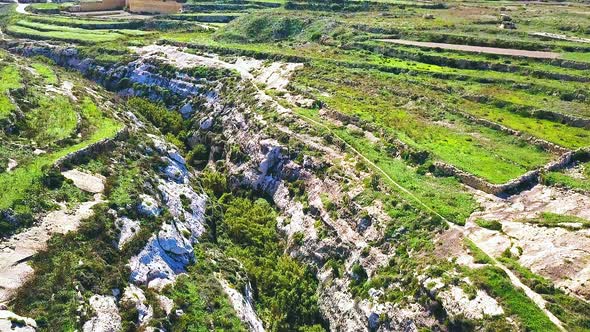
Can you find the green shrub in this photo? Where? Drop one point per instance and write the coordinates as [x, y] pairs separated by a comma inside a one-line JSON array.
[[167, 121], [489, 224], [286, 290], [262, 28], [198, 155]]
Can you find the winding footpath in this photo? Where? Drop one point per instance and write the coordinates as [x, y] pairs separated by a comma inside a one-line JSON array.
[[21, 8], [19, 248]]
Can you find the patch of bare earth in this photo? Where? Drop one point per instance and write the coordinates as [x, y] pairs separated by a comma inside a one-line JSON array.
[[562, 255], [18, 249]]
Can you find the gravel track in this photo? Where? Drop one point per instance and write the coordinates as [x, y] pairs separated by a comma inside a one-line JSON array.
[[476, 49]]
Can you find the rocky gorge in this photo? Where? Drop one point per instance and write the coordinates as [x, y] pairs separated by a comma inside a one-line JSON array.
[[333, 212]]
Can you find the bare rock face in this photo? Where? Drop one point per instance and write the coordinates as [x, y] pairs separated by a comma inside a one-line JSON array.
[[340, 308], [169, 252], [558, 253], [107, 318], [155, 267], [148, 206], [135, 296], [206, 124], [91, 183], [11, 322], [243, 305], [457, 303], [166, 304], [186, 110], [128, 229]]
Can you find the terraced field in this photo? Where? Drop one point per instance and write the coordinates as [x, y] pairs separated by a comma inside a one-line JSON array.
[[425, 165], [48, 124]]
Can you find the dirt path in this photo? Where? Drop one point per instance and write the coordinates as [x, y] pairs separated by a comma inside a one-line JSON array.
[[476, 49], [16, 250], [21, 8]]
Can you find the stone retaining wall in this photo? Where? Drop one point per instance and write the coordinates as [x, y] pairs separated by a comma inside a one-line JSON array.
[[545, 145], [570, 120], [524, 181], [92, 149], [513, 186], [154, 6]]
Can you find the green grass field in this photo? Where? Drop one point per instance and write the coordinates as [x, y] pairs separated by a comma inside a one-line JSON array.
[[9, 79], [52, 121], [38, 30]]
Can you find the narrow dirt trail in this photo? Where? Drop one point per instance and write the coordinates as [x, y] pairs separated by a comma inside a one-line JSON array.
[[21, 8], [19, 248], [475, 49]]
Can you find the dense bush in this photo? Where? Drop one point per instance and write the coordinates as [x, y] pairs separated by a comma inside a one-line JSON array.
[[489, 224], [263, 28], [198, 155], [284, 289], [167, 121], [204, 304]]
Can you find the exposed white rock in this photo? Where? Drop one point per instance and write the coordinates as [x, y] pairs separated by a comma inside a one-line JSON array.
[[11, 165], [556, 253], [190, 218], [107, 318], [206, 124], [276, 75], [169, 252], [128, 229], [135, 295], [456, 302], [166, 304], [338, 304], [186, 110], [9, 321], [92, 183], [272, 155], [243, 306], [394, 317], [375, 293], [148, 206], [155, 267], [175, 56]]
